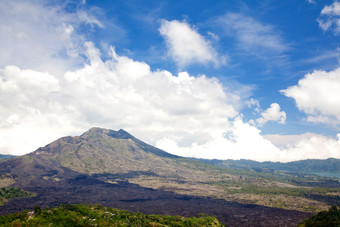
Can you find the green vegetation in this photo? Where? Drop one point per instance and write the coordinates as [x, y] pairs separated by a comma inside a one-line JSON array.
[[324, 218], [11, 193], [97, 215]]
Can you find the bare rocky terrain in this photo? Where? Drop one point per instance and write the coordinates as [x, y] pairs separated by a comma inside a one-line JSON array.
[[124, 195]]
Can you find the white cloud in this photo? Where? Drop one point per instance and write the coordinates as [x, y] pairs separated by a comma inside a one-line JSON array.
[[118, 93], [88, 19], [251, 34], [308, 145], [186, 46], [317, 94], [253, 103], [273, 113], [241, 140], [32, 111], [330, 18], [327, 55], [184, 115], [42, 37], [285, 141]]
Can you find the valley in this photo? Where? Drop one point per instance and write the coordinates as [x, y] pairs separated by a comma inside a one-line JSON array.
[[115, 169]]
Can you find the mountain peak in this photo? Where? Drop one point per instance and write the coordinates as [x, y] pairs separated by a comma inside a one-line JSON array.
[[120, 134]]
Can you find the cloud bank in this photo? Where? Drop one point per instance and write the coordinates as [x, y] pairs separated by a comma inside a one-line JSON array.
[[182, 114]]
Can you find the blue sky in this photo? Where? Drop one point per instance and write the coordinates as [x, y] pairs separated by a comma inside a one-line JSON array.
[[211, 79], [299, 44]]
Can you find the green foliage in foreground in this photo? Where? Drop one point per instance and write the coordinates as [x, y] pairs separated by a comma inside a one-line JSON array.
[[97, 215], [324, 218], [11, 193]]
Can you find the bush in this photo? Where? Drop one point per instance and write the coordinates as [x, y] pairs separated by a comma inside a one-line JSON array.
[[324, 218], [97, 215]]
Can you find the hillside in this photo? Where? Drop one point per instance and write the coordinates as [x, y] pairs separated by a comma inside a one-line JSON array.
[[118, 170]]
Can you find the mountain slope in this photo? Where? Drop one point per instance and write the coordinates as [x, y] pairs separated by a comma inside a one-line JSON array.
[[110, 156], [118, 155], [101, 150]]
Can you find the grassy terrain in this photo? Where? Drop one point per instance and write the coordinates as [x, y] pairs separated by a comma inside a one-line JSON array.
[[97, 215], [11, 193]]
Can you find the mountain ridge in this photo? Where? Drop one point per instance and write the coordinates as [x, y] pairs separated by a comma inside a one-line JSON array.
[[302, 166]]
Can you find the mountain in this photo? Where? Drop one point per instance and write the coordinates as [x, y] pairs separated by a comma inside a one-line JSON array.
[[331, 165], [101, 150], [116, 169], [5, 156]]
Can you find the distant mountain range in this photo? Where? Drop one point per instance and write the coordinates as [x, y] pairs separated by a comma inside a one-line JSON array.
[[303, 166], [6, 156], [116, 169]]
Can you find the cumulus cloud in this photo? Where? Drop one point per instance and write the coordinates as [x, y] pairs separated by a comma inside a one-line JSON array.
[[185, 115], [317, 95], [32, 110], [273, 113], [186, 46], [330, 18], [118, 93], [182, 114]]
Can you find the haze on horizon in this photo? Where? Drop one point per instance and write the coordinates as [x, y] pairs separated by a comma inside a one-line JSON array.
[[218, 80]]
